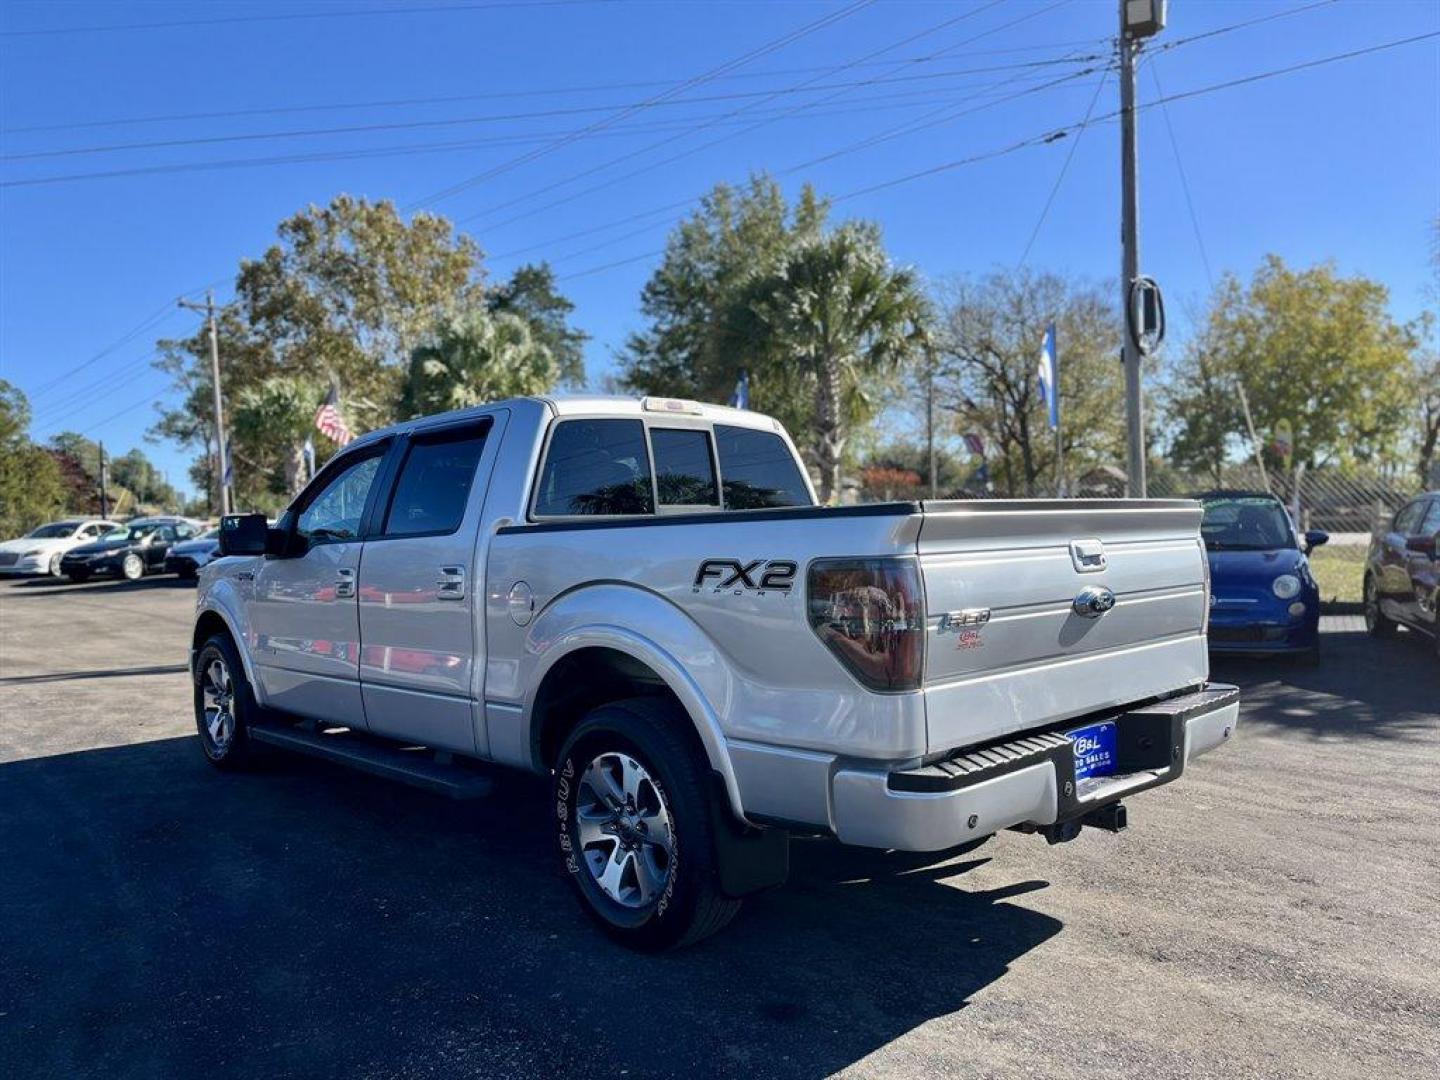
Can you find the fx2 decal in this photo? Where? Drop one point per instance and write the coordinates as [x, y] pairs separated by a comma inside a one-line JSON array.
[[760, 575]]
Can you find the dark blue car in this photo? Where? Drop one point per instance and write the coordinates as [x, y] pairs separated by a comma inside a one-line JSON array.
[[1263, 598]]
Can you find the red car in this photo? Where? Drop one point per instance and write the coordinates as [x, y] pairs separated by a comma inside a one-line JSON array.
[[1402, 572]]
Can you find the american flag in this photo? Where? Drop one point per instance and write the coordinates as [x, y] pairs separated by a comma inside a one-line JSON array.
[[329, 420]]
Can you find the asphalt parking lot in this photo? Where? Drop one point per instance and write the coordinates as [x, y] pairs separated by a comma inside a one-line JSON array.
[[1272, 915]]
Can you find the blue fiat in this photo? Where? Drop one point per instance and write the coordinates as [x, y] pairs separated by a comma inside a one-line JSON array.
[[1263, 598]]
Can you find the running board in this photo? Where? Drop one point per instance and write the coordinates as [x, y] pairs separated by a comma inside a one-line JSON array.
[[414, 767]]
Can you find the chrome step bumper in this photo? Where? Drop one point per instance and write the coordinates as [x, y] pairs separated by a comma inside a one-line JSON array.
[[1028, 780]]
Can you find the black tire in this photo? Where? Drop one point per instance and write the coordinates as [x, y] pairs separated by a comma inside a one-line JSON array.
[[79, 576], [689, 905], [1375, 621], [238, 750]]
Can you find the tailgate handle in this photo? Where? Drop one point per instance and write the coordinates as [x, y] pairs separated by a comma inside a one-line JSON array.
[[1088, 555]]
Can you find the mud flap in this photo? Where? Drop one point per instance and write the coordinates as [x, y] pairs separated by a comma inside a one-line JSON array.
[[750, 859]]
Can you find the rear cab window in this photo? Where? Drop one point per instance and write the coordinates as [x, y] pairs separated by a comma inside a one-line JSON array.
[[597, 467], [622, 467], [758, 471], [684, 467]]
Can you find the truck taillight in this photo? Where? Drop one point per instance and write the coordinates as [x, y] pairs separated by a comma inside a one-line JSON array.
[[871, 615]]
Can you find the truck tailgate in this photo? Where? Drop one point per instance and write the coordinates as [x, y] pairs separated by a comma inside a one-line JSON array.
[[1007, 649]]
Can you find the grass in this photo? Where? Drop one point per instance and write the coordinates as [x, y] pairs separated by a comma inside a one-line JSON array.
[[1339, 572]]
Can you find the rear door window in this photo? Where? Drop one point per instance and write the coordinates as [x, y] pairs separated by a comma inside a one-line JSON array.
[[434, 484], [757, 470], [1408, 519], [1431, 525], [595, 467], [684, 467]]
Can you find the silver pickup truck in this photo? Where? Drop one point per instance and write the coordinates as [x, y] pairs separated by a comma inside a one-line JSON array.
[[642, 601]]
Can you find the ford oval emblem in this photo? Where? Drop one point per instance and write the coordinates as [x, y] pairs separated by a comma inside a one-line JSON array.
[[1094, 601]]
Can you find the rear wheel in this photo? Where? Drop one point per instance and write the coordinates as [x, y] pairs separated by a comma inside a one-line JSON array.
[[132, 567], [1375, 620], [224, 705], [636, 826]]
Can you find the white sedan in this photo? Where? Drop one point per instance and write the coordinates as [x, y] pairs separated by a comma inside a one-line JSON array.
[[39, 551]]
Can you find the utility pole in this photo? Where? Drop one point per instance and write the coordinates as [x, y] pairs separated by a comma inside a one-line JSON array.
[[1130, 261], [221, 460], [930, 418], [1143, 315], [104, 485]]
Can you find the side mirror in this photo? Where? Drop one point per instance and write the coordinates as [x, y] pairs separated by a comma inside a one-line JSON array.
[[1315, 538], [243, 534]]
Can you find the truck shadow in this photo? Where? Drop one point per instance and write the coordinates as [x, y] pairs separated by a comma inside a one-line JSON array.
[[1362, 688], [159, 918]]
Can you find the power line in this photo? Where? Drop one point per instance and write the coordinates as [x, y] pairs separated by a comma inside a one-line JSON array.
[[1180, 168], [405, 149], [145, 324], [1064, 168], [802, 87], [411, 125], [852, 147], [453, 99], [679, 88], [54, 427], [293, 16], [1056, 134], [1176, 43]]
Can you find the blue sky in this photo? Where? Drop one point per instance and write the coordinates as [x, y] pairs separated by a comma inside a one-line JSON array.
[[1340, 162]]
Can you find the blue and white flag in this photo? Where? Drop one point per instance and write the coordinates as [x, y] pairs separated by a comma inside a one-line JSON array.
[[740, 399], [1049, 375], [307, 453]]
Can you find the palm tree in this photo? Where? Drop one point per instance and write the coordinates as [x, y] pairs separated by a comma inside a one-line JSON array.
[[837, 308], [477, 357]]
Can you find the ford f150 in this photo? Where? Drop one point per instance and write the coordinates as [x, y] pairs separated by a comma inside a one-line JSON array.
[[641, 600]]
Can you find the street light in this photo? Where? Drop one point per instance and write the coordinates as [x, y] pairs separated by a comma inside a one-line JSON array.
[[1144, 18]]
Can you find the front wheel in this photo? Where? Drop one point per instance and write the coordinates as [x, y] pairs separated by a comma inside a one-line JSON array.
[[54, 566], [635, 826], [133, 567], [224, 705], [1375, 621]]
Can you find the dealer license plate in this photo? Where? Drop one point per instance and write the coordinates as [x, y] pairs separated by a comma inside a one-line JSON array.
[[1094, 749]]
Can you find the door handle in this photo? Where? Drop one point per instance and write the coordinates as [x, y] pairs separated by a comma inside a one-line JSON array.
[[345, 583], [451, 582]]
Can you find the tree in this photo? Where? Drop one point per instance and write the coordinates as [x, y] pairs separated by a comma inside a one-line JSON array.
[[31, 487], [474, 358], [272, 421], [349, 292], [689, 349], [1309, 348], [135, 472], [842, 317], [989, 339], [530, 293], [14, 414]]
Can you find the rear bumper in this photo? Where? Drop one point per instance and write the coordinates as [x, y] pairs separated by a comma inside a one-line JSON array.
[[1026, 781]]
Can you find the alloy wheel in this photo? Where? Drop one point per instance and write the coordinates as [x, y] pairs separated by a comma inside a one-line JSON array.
[[132, 567], [55, 564], [626, 830], [219, 693]]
